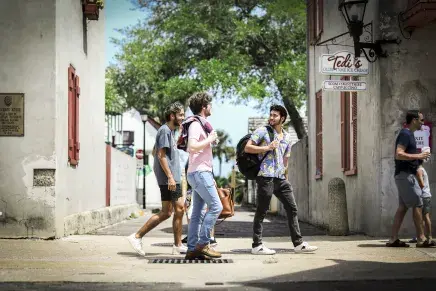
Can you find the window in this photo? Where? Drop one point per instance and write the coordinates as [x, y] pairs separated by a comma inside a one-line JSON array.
[[318, 121], [73, 117], [128, 138], [315, 11], [349, 131]]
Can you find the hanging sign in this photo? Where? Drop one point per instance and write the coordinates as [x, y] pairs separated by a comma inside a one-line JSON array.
[[422, 136], [338, 85], [343, 63]]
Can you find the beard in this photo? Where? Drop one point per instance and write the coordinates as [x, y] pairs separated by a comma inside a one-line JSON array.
[[176, 123], [273, 123]]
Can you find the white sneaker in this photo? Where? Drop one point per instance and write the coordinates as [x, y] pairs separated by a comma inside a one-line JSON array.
[[262, 250], [136, 243], [180, 250], [305, 248]]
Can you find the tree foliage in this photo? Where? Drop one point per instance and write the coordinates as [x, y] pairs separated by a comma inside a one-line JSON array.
[[224, 151], [238, 48]]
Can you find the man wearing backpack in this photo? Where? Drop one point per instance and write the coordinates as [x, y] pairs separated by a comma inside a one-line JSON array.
[[273, 150], [198, 137]]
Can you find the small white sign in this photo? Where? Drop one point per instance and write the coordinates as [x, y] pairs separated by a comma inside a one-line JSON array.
[[337, 85], [139, 164], [343, 63], [422, 137]]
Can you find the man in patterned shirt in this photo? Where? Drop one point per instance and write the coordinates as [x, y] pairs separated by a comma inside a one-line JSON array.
[[272, 180]]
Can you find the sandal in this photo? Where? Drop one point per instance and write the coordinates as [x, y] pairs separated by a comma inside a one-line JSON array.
[[397, 244], [424, 244], [432, 243]]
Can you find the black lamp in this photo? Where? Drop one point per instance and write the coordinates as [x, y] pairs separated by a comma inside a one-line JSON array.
[[354, 14]]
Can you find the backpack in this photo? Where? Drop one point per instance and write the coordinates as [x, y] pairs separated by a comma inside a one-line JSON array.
[[182, 141], [249, 164]]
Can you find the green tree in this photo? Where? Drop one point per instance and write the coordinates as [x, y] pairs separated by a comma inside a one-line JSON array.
[[113, 103], [239, 48], [224, 150]]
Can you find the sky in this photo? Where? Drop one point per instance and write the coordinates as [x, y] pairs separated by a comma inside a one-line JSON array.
[[226, 116]]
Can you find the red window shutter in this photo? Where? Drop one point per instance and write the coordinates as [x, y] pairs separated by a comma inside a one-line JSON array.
[[320, 18], [71, 114], [343, 132], [319, 144], [354, 127], [76, 121], [344, 121]]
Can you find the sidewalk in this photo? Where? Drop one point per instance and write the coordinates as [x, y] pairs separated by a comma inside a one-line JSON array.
[[106, 256]]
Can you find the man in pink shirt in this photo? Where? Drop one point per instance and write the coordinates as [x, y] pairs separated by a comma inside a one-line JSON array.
[[201, 136]]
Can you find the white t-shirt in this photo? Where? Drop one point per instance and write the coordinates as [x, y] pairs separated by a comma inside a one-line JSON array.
[[426, 190]]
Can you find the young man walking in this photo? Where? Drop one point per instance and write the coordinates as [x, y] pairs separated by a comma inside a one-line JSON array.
[[201, 136], [168, 174], [409, 193], [272, 180]]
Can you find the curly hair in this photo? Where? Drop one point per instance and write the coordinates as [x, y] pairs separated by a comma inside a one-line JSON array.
[[173, 108], [199, 100], [280, 109]]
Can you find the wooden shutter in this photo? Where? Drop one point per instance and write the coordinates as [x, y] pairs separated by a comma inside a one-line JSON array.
[[343, 132], [354, 127], [76, 120], [71, 115], [344, 128], [319, 144], [320, 24]]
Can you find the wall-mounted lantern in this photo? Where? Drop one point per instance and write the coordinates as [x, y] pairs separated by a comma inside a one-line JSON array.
[[91, 8], [354, 14]]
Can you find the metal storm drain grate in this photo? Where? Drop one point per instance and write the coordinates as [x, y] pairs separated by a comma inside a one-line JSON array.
[[162, 244], [248, 251], [183, 261]]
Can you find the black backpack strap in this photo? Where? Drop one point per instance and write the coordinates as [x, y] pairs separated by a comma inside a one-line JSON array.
[[271, 138], [270, 132]]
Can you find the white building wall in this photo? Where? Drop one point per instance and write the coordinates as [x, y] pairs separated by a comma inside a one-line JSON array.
[[362, 190], [123, 184], [82, 188], [27, 50]]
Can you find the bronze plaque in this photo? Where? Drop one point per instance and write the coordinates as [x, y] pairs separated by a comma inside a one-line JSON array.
[[11, 114]]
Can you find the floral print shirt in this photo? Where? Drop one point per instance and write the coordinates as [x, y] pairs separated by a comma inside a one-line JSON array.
[[272, 166]]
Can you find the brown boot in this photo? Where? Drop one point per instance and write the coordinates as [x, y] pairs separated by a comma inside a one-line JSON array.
[[208, 251], [195, 255]]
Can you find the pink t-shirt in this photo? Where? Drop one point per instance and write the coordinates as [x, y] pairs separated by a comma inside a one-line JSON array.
[[202, 160]]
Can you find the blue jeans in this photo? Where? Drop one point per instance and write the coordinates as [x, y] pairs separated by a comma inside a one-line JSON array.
[[201, 223]]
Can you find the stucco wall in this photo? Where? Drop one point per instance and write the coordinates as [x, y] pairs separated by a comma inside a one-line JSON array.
[[83, 188], [123, 174], [404, 80], [363, 194], [27, 49], [408, 81]]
